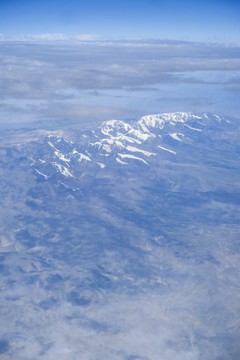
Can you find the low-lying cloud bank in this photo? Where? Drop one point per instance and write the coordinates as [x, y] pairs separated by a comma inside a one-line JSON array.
[[133, 77], [48, 37]]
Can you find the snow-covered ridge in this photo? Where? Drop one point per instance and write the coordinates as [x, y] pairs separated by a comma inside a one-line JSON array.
[[159, 120], [124, 143], [117, 133]]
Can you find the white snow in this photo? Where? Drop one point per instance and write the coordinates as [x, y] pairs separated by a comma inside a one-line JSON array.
[[163, 148], [51, 144], [113, 141], [158, 120], [117, 123], [104, 132], [61, 156], [107, 148], [121, 162], [123, 156], [151, 120], [190, 127], [196, 116], [178, 116], [63, 170], [40, 173], [175, 136], [110, 122], [81, 156], [102, 166], [143, 126], [134, 149], [128, 139], [107, 144], [140, 135]]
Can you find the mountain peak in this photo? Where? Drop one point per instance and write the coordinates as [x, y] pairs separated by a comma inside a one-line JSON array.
[[118, 143]]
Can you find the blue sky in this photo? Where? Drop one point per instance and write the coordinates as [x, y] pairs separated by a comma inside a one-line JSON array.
[[214, 20]]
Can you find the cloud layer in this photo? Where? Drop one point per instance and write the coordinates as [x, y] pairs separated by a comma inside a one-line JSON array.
[[100, 80]]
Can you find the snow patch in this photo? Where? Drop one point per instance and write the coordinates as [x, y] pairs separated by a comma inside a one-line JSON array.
[[123, 156], [40, 173], [134, 149], [61, 156], [107, 148], [175, 136], [163, 148], [121, 162], [191, 128], [63, 170], [81, 156], [128, 139], [140, 135], [102, 166], [51, 144]]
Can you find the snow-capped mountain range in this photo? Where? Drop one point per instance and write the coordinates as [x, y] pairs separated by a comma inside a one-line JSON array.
[[130, 143], [122, 238]]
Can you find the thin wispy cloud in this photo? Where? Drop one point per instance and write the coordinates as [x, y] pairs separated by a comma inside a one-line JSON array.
[[48, 37]]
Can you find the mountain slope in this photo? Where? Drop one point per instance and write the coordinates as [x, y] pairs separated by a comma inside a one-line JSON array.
[[120, 143], [122, 242]]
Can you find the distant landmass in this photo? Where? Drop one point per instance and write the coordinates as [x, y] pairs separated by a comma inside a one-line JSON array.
[[122, 242]]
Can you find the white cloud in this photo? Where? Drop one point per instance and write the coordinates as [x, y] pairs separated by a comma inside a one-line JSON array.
[[48, 37], [39, 71]]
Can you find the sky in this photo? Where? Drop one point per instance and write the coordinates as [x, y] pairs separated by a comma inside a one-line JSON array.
[[206, 20]]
